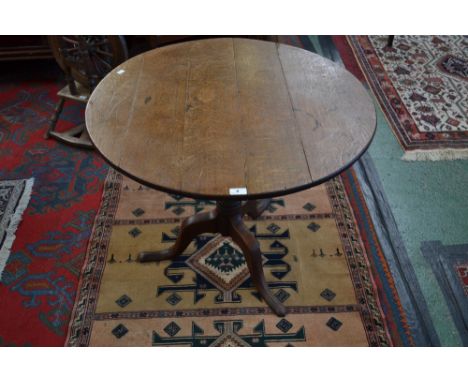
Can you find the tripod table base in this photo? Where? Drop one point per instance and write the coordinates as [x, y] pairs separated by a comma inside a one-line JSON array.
[[226, 219]]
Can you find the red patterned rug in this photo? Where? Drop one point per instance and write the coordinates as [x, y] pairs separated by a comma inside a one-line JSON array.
[[421, 83], [38, 285], [14, 198]]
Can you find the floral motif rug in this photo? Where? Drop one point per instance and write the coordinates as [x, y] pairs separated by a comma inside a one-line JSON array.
[[14, 198], [421, 83], [316, 261]]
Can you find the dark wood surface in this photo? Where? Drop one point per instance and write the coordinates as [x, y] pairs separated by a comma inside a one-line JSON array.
[[203, 117]]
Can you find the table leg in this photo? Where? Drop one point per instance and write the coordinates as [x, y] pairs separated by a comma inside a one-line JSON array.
[[251, 249], [227, 220], [191, 227]]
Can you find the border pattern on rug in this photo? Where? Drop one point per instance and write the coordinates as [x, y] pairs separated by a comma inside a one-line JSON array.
[[93, 266], [371, 312], [389, 297], [414, 327]]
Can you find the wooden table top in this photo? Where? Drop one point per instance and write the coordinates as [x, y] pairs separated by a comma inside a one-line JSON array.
[[207, 118]]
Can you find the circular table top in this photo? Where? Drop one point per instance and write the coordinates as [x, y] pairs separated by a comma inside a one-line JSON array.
[[230, 118]]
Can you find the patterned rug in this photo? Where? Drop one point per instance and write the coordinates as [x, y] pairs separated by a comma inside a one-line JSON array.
[[14, 198], [422, 85], [39, 281], [316, 261]]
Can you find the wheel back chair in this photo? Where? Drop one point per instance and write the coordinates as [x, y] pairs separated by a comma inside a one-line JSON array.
[[85, 61]]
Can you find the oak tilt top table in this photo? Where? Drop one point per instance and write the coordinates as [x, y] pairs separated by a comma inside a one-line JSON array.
[[230, 120]]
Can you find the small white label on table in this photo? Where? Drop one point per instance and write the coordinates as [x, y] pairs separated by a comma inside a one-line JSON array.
[[120, 71], [238, 191]]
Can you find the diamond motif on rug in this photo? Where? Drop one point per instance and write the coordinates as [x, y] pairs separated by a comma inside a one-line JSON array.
[[222, 263], [334, 324], [174, 299], [308, 206], [172, 329], [284, 325], [138, 212], [314, 227], [119, 331], [134, 232], [328, 294], [227, 260], [282, 295], [273, 228], [123, 301]]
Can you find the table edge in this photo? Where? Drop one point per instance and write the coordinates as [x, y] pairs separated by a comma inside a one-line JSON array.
[[264, 195], [257, 196]]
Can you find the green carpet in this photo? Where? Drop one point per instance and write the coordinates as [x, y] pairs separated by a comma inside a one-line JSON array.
[[428, 203]]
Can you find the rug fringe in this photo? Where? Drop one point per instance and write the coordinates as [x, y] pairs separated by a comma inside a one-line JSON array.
[[435, 155], [14, 223]]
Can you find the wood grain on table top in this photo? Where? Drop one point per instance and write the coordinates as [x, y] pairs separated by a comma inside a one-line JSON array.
[[202, 117]]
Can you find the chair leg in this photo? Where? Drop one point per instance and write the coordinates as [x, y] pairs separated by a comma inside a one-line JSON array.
[[55, 117]]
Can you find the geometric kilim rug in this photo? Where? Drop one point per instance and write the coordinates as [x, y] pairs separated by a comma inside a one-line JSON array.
[[14, 198], [314, 261], [422, 85]]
